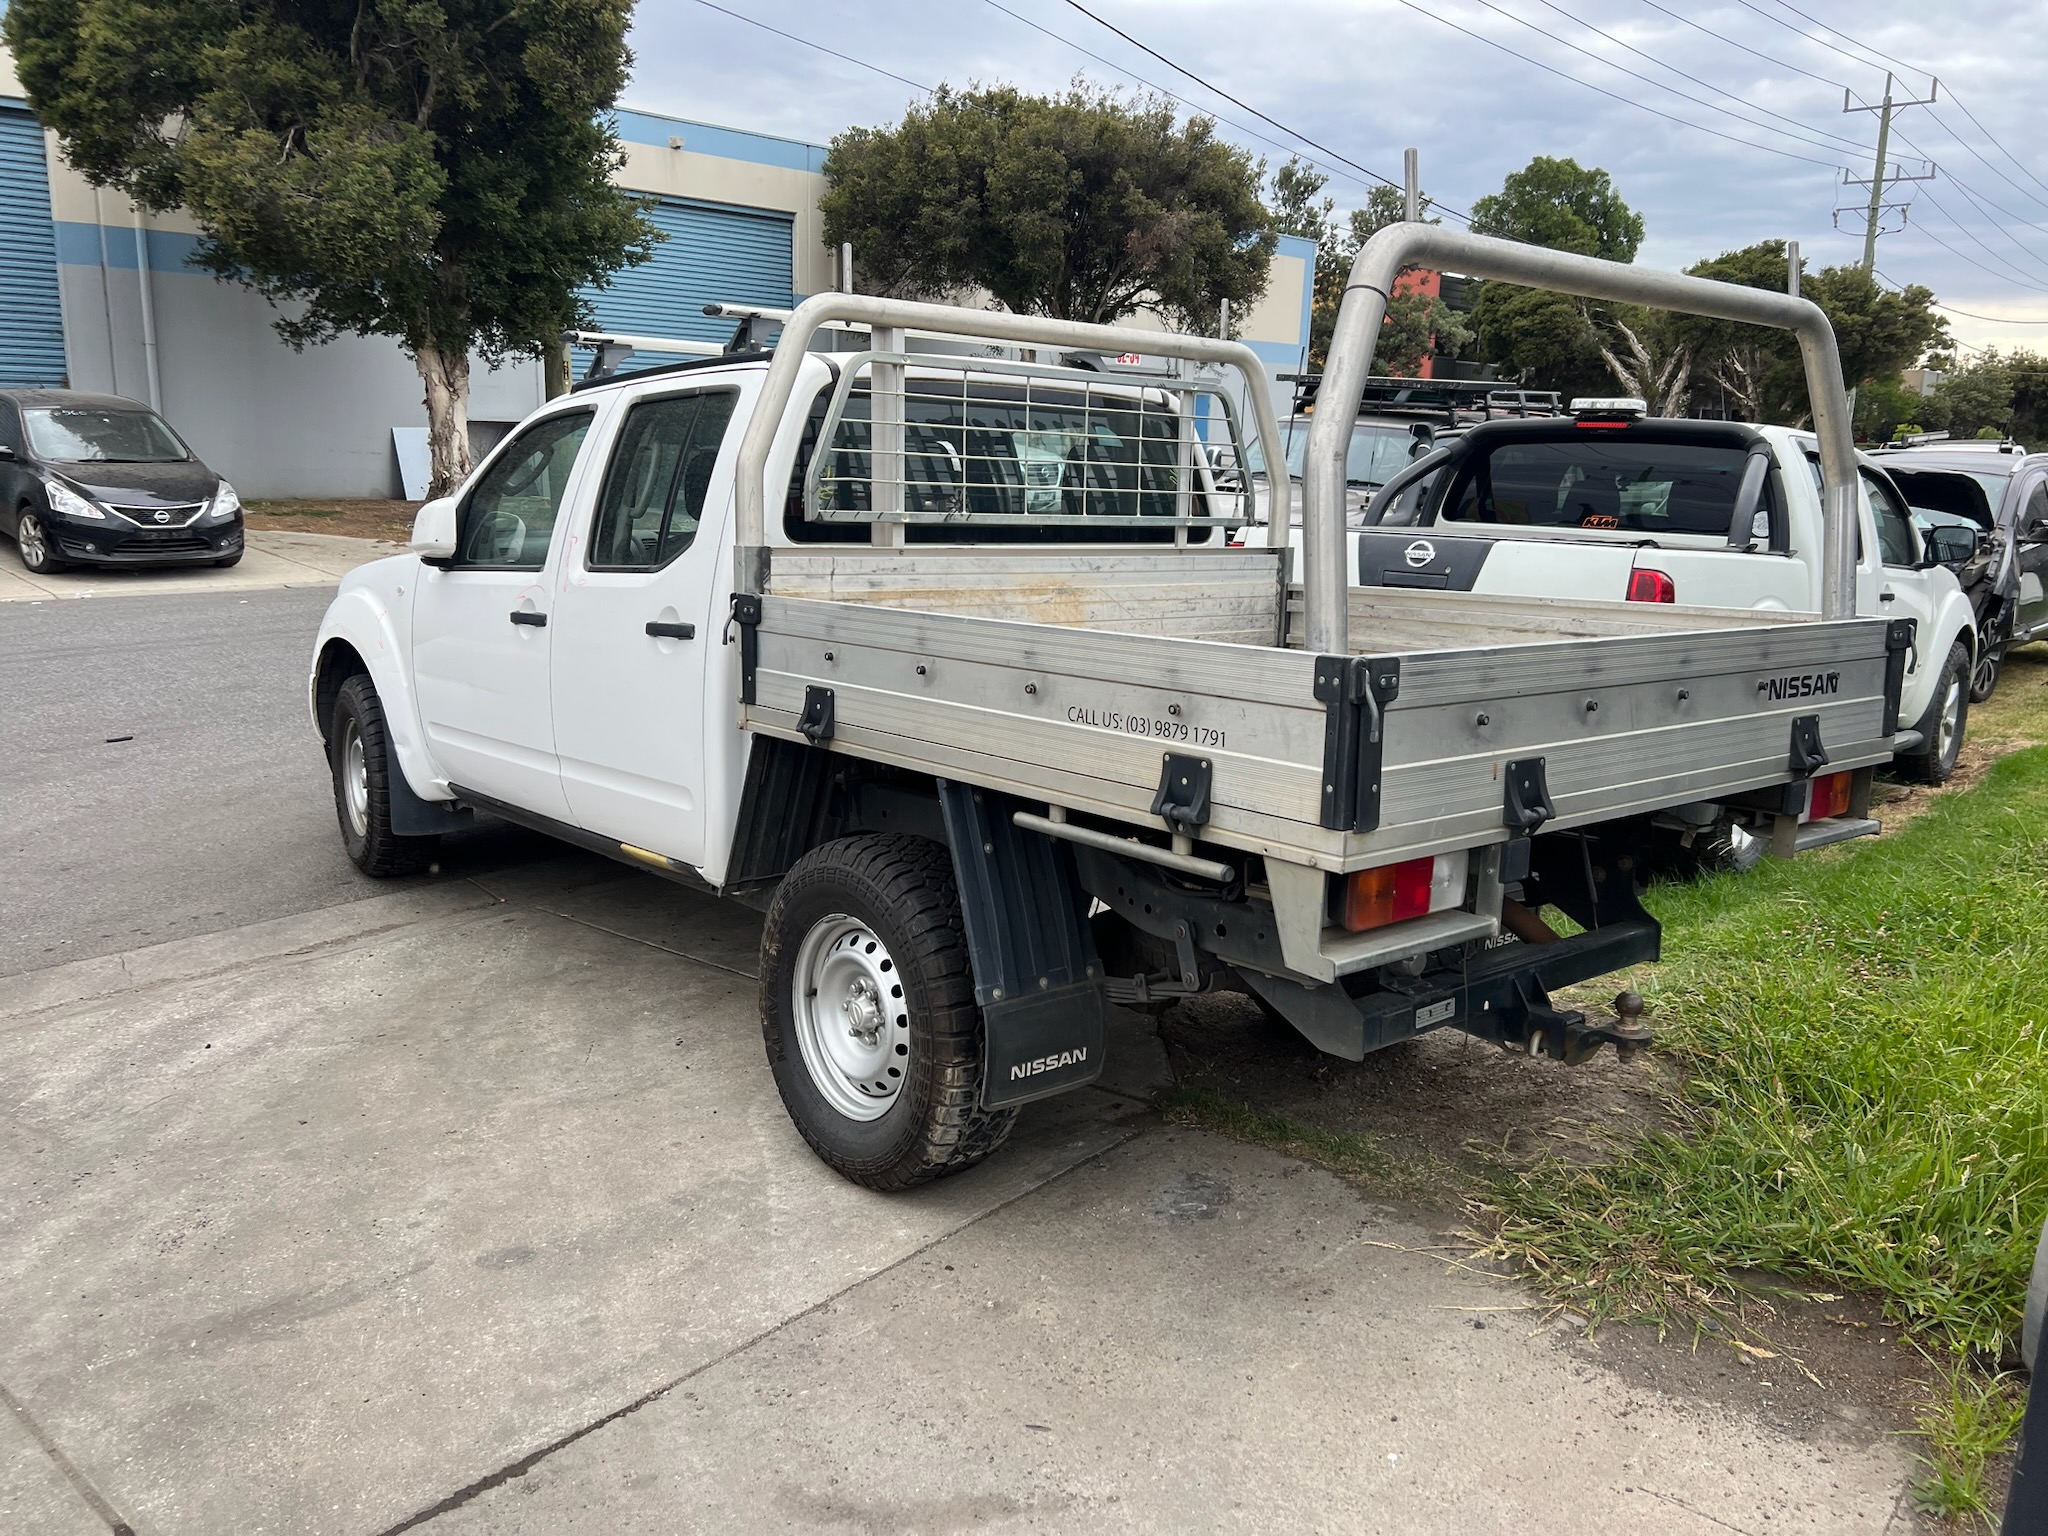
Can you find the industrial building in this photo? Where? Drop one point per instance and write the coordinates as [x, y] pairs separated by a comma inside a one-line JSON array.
[[97, 295]]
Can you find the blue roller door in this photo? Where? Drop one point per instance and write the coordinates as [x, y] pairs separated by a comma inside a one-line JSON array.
[[31, 322], [713, 254]]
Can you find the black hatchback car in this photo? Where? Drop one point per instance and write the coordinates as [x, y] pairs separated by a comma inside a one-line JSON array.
[[98, 480]]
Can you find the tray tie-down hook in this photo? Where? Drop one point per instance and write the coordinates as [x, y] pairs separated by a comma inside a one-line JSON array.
[[1182, 800]]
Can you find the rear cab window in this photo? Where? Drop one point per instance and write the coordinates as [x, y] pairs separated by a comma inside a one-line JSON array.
[[1642, 483], [984, 458]]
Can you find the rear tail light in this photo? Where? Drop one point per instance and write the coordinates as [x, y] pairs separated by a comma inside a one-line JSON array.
[[1648, 586], [1830, 797], [1393, 893]]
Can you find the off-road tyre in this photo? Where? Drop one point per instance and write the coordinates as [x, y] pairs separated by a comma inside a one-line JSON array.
[[1934, 760], [902, 889], [366, 825]]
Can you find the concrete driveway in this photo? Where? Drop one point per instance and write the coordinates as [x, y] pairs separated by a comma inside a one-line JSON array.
[[470, 1206]]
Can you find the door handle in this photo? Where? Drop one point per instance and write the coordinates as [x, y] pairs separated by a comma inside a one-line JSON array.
[[665, 631], [537, 620], [1887, 596]]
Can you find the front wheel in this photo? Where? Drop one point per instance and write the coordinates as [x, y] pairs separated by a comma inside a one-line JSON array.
[[868, 1013], [1941, 728], [38, 555], [358, 753]]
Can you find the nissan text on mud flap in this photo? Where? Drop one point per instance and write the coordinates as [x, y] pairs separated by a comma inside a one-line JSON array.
[[943, 657]]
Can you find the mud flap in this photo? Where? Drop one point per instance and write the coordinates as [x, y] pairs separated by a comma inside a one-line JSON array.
[[1036, 974]]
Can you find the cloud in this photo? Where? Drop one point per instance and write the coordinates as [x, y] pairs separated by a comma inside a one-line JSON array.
[[1369, 77]]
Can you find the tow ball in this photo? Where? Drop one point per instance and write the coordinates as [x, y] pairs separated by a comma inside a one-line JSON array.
[[1567, 1035]]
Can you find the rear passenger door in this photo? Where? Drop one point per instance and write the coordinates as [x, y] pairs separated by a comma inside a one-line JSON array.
[[634, 628]]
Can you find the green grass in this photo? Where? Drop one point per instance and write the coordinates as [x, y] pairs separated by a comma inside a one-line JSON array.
[[1969, 1418], [1866, 1099], [1343, 1152]]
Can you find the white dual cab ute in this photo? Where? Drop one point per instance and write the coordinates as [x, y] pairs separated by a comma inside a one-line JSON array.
[[1605, 502], [944, 657]]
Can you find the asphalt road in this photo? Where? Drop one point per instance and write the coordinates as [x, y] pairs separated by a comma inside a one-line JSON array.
[[159, 778]]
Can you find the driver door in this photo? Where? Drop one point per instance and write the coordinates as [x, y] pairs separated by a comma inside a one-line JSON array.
[[481, 643], [2030, 545], [1903, 590]]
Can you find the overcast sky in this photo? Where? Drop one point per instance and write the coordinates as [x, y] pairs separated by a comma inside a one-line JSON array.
[[1368, 77]]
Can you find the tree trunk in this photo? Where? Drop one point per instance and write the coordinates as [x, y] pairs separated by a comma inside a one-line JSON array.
[[445, 372]]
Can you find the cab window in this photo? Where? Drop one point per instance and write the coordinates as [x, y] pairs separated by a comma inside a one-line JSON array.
[[655, 486], [1897, 543], [508, 520]]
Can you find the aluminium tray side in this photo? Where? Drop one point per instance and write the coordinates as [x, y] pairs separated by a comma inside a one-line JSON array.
[[1084, 718]]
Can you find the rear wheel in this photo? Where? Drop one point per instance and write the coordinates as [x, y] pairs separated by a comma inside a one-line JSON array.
[[1941, 728], [868, 1013], [38, 554], [358, 753]]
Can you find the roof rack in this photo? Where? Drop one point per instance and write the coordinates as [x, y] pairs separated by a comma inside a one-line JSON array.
[[1452, 400]]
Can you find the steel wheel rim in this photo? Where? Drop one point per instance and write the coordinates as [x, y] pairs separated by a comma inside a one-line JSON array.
[[34, 548], [1951, 719], [852, 1022], [355, 780]]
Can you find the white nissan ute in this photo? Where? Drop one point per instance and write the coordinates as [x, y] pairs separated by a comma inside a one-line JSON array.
[[1606, 503], [944, 659]]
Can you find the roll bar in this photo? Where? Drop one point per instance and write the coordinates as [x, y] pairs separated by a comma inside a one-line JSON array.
[[750, 554], [1364, 307]]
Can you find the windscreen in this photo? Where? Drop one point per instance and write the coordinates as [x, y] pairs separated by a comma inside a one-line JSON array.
[[1618, 482], [1377, 453], [75, 436]]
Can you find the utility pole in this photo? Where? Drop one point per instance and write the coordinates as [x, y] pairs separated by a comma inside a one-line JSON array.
[[1792, 268], [1882, 175], [1411, 176]]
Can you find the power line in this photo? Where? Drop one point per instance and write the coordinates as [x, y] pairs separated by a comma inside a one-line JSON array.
[[1915, 69], [1551, 5], [1162, 90], [1958, 181], [1898, 287], [1973, 261], [806, 42], [1744, 47], [2037, 181], [1977, 240], [1845, 37], [1994, 170], [1610, 95], [2000, 228], [1293, 133], [1658, 84]]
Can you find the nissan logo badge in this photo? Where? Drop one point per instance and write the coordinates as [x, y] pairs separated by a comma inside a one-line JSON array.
[[162, 516], [1419, 554]]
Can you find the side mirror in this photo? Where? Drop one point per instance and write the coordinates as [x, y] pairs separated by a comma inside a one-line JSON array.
[[2036, 532], [6, 453], [1950, 545], [433, 530]]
